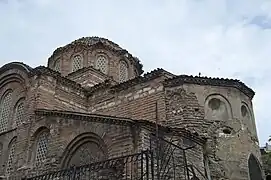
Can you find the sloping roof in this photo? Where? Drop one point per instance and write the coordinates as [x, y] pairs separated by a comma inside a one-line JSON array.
[[118, 121]]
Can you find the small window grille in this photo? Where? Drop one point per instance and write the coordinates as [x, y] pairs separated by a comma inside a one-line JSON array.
[[11, 155], [123, 72], [57, 65], [77, 63], [42, 147], [101, 64], [87, 153], [19, 113], [5, 111]]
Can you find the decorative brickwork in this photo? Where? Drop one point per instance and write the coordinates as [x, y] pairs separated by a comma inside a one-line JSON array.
[[105, 109]]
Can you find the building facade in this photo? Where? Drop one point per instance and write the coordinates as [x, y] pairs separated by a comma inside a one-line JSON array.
[[93, 103]]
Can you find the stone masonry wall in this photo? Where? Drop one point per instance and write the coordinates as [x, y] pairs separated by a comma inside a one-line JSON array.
[[137, 102], [118, 139], [55, 95], [233, 138]]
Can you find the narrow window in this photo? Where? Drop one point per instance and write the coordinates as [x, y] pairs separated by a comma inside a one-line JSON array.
[[5, 111], [42, 147], [11, 155], [19, 113], [123, 72], [77, 63], [101, 64], [57, 65]]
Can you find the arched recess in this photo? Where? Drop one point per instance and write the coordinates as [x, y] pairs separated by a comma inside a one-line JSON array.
[[19, 111], [217, 107], [102, 63], [254, 167], [1, 153], [11, 157], [40, 145], [5, 110], [123, 71], [57, 65], [84, 149], [246, 115], [77, 62]]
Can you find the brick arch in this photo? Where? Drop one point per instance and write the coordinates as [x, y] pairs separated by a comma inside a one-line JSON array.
[[10, 156], [18, 118], [254, 168], [6, 109], [78, 142], [223, 112], [247, 115], [33, 141], [72, 59], [99, 129], [126, 64], [15, 72]]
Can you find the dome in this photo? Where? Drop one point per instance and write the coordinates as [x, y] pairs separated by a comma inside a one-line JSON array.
[[94, 41]]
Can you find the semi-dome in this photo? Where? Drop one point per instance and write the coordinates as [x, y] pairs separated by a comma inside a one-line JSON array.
[[99, 53]]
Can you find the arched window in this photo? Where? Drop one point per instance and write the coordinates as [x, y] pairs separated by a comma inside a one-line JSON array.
[[255, 171], [77, 63], [11, 156], [1, 152], [19, 113], [246, 115], [84, 149], [123, 71], [5, 108], [102, 63], [217, 108], [87, 153], [57, 65], [42, 147]]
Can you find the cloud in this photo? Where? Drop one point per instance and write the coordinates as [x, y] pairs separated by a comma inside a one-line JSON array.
[[225, 38]]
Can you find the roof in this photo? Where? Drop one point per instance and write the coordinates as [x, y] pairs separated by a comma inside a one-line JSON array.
[[174, 80], [19, 65], [171, 80], [234, 83], [118, 121], [99, 41]]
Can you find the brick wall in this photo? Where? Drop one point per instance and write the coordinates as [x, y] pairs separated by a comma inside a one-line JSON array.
[[52, 94], [88, 77], [138, 102], [89, 56], [117, 138]]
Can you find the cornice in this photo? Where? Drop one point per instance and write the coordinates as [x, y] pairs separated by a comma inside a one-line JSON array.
[[16, 65], [119, 121], [233, 83], [140, 79], [85, 69], [42, 70]]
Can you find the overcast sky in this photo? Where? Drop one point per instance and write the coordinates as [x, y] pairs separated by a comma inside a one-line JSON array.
[[225, 38]]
